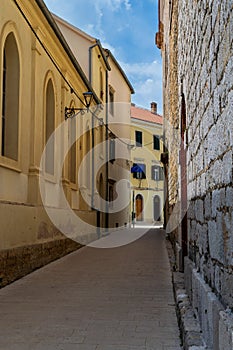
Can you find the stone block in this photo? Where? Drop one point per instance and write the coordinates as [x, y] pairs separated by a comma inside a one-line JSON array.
[[226, 331], [229, 196], [208, 307], [207, 207], [195, 292], [215, 12], [215, 236], [217, 283], [204, 289], [199, 161], [216, 202], [208, 121], [202, 240], [217, 173], [203, 184], [188, 268], [227, 228], [212, 151], [228, 72], [179, 258], [227, 168], [193, 230], [199, 210], [208, 271], [215, 241], [193, 341], [227, 287], [213, 309], [191, 210]]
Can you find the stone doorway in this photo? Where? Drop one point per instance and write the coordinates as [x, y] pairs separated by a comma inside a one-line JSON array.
[[139, 207]]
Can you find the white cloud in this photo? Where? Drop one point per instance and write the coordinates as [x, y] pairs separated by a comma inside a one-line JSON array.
[[143, 69], [113, 4], [89, 28], [146, 79], [146, 92], [109, 47], [127, 5]]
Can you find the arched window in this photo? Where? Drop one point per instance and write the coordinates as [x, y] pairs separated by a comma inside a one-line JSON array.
[[49, 127], [101, 85], [73, 148], [88, 159], [10, 99]]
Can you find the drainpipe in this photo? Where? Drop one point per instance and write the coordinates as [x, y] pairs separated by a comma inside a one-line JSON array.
[[92, 150], [92, 133], [165, 187], [90, 61], [107, 157]]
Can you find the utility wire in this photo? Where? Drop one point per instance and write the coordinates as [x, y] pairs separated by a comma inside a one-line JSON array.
[[62, 75], [100, 120], [48, 53]]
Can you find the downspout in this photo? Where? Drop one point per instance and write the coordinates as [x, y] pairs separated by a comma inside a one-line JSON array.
[[92, 134], [107, 157], [90, 61], [165, 187]]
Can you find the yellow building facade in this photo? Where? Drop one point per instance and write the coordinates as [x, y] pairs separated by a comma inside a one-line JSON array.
[[114, 91], [39, 77], [147, 177], [91, 56], [53, 149], [119, 102]]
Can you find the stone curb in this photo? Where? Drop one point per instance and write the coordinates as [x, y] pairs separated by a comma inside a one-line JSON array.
[[190, 330], [188, 323]]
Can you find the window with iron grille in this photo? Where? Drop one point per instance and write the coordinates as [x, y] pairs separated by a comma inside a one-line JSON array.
[[157, 173]]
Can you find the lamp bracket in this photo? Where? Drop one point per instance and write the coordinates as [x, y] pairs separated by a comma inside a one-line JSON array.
[[72, 112]]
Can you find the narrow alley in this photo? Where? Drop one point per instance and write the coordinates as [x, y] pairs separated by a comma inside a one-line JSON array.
[[95, 299]]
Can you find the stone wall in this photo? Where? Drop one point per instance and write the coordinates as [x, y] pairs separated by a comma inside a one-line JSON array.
[[207, 31], [171, 107], [205, 61], [171, 112]]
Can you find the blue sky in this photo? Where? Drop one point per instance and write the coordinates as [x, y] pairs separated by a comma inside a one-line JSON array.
[[127, 28]]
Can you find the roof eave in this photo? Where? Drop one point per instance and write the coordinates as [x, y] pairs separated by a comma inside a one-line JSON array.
[[66, 47], [103, 54], [121, 70], [146, 121]]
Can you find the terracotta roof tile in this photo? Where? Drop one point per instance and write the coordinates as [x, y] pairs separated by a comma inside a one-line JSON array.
[[145, 115]]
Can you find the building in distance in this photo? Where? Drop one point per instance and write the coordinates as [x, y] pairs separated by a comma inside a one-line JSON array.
[[146, 170]]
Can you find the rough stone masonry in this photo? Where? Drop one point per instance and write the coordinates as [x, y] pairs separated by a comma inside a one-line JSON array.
[[205, 73]]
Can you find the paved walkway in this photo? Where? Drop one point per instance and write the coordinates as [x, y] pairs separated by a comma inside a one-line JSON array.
[[94, 299]]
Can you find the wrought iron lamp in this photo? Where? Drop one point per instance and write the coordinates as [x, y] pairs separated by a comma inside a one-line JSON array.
[[71, 112]]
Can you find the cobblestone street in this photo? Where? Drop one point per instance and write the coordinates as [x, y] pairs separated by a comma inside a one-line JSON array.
[[95, 299]]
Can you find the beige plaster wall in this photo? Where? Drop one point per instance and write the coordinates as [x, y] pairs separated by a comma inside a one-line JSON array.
[[148, 188]]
